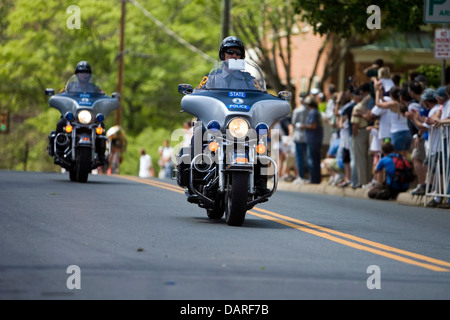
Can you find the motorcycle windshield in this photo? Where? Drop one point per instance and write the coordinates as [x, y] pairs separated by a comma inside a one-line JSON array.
[[235, 75], [83, 92], [82, 83]]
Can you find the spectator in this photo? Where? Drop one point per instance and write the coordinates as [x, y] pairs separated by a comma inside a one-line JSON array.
[[145, 164], [299, 116], [384, 76], [285, 145], [434, 150], [389, 188], [360, 136], [442, 117], [314, 138], [401, 135], [346, 136], [372, 73], [329, 116], [334, 163], [418, 154], [415, 92], [165, 162], [375, 152], [422, 79], [396, 79], [188, 132]]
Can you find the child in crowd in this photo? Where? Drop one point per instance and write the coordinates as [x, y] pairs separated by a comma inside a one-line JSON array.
[[390, 187], [375, 152]]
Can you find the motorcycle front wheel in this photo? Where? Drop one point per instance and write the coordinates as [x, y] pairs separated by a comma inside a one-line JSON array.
[[83, 165], [236, 198]]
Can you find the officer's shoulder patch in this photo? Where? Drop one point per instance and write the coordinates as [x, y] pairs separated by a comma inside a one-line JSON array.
[[202, 83]]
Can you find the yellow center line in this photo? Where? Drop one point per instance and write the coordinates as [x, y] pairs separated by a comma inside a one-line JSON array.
[[326, 233], [154, 183]]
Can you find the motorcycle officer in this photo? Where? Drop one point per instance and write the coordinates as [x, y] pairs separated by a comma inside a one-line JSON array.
[[83, 72], [231, 48]]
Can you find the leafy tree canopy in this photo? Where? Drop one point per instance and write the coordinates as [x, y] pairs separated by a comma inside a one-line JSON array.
[[348, 17]]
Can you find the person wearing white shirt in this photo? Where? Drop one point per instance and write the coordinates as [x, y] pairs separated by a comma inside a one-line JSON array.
[[401, 135], [145, 164]]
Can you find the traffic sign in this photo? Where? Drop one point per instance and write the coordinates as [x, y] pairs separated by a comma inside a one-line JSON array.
[[436, 11], [442, 43]]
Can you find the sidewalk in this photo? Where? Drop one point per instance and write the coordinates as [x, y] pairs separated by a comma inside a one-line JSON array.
[[324, 188]]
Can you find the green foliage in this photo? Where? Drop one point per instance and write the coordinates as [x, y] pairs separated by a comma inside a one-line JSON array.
[[348, 17], [39, 51], [433, 74]]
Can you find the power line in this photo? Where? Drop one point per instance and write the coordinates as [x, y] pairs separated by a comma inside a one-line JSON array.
[[171, 33]]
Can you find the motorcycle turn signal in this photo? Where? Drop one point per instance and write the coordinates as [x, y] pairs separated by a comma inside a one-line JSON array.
[[260, 148], [213, 146], [68, 128]]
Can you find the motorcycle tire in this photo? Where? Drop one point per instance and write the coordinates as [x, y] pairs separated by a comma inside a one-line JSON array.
[[236, 198], [83, 164]]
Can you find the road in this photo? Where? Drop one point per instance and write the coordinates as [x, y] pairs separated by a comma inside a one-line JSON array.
[[128, 238]]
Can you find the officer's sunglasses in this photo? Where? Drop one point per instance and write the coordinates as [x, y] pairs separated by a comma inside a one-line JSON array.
[[231, 52]]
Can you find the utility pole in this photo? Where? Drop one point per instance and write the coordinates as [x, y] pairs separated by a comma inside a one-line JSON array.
[[121, 56], [226, 18]]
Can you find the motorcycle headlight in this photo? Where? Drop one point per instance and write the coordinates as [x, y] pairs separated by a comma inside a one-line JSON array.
[[84, 117], [238, 127]]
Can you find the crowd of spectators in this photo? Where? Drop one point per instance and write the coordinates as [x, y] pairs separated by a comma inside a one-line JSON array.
[[362, 119]]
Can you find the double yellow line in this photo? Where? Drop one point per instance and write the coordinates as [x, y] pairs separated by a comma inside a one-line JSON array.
[[329, 234], [154, 182], [354, 242]]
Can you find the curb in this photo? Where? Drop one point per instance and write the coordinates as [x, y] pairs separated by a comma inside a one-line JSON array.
[[324, 188]]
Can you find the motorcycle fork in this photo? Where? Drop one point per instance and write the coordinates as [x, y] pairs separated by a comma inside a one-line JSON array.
[[237, 148], [76, 142]]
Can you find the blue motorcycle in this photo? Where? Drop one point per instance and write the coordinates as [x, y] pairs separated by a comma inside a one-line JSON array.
[[228, 164], [79, 143]]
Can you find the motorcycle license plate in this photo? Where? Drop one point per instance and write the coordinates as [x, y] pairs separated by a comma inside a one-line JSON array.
[[84, 139], [240, 158]]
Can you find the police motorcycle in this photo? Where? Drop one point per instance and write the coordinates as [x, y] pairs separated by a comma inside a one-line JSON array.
[[227, 166], [79, 146]]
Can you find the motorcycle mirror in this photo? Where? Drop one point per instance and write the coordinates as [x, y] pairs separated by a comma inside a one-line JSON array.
[[185, 88], [285, 95], [49, 92], [115, 95]]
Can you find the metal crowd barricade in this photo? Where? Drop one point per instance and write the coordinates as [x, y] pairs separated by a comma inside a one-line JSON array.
[[438, 174]]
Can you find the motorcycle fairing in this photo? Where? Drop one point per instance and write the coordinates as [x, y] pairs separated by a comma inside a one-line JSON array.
[[73, 102], [211, 105]]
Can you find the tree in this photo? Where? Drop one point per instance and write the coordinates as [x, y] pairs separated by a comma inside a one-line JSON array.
[[268, 35], [38, 50], [345, 23], [346, 18]]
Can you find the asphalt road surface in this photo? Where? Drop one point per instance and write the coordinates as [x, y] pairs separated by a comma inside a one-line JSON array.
[[128, 238]]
